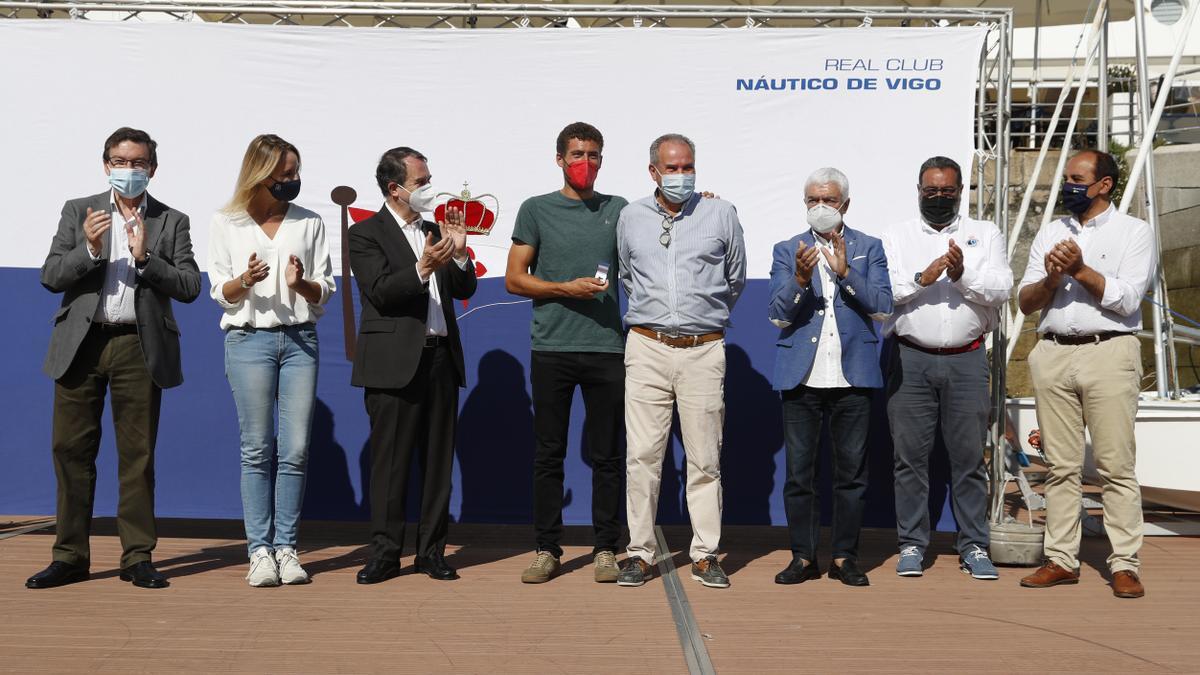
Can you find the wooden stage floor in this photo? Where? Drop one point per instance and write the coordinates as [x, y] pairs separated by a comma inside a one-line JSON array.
[[210, 621]]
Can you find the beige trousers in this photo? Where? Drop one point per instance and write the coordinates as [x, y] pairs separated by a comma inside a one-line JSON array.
[[1096, 386], [658, 378]]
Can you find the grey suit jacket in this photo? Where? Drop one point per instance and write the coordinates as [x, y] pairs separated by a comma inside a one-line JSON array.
[[170, 274]]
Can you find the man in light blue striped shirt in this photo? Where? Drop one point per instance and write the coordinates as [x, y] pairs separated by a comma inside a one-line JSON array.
[[683, 266]]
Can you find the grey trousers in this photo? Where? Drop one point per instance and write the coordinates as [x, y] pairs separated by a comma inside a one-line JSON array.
[[928, 393]]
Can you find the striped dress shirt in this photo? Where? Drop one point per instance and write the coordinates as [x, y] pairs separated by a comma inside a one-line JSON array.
[[688, 286]]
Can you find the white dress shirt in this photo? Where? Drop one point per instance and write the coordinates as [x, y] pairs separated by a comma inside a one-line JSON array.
[[232, 237], [1118, 246], [120, 275], [946, 314], [435, 320], [826, 372]]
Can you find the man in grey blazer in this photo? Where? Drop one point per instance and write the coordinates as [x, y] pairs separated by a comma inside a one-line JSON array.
[[118, 258]]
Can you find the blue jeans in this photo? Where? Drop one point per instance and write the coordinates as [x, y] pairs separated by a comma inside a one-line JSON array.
[[265, 366], [848, 410]]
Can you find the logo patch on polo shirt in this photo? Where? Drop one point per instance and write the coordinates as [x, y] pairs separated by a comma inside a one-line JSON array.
[[972, 242]]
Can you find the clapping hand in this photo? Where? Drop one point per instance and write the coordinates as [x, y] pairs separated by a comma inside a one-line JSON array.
[[256, 271], [807, 258], [1067, 255], [435, 255], [294, 272], [954, 262], [136, 234], [837, 259], [95, 224], [454, 229]]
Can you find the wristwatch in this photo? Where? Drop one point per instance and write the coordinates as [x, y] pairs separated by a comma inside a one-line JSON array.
[[242, 280], [917, 279], [142, 263]]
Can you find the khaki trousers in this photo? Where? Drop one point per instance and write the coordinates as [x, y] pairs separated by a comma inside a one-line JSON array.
[[1096, 386], [658, 378]]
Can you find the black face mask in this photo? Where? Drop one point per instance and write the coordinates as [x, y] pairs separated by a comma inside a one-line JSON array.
[[939, 210], [285, 191]]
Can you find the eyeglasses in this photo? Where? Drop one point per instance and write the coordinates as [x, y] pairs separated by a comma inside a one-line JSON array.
[[827, 201], [122, 163], [939, 192], [665, 237]]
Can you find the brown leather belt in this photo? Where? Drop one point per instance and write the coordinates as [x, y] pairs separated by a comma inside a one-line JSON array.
[[943, 351], [678, 341], [1083, 339]]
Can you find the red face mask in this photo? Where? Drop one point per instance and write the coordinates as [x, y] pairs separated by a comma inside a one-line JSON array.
[[581, 174]]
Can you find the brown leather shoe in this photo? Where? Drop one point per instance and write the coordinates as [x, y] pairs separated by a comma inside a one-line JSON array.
[[1050, 574], [1125, 584]]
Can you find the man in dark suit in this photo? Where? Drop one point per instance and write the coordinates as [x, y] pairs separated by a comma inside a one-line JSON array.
[[118, 258], [827, 284], [409, 358]]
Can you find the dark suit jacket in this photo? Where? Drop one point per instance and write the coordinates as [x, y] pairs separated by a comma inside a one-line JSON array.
[[171, 274], [395, 304]]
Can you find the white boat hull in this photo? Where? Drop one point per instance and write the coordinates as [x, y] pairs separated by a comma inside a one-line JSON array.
[[1168, 449]]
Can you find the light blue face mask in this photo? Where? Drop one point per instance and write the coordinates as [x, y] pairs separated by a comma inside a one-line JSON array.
[[677, 187], [128, 183]]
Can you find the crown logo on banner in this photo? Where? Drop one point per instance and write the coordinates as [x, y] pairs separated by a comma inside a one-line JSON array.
[[477, 217]]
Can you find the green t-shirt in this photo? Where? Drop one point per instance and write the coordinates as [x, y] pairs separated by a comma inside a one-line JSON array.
[[571, 237]]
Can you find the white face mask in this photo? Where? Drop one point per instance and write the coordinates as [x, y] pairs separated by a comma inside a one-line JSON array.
[[421, 199], [824, 218]]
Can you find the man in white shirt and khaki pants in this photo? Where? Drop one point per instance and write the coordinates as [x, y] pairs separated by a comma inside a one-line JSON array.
[[1087, 274]]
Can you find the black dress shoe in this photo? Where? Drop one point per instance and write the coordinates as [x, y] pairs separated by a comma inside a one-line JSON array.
[[143, 575], [435, 566], [848, 573], [378, 570], [57, 574], [797, 572]]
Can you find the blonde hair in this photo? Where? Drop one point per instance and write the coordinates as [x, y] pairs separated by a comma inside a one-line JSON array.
[[262, 156]]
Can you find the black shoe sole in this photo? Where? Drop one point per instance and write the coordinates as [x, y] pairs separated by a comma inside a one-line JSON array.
[[67, 582], [377, 580], [436, 577], [144, 584], [837, 575], [799, 580]]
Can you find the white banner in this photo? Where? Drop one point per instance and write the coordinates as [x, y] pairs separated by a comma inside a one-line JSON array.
[[764, 106]]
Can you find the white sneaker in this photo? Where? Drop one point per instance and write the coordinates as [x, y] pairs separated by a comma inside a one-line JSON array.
[[262, 568], [290, 571]]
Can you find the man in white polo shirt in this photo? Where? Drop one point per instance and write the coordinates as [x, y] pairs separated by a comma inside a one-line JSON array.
[[1087, 274]]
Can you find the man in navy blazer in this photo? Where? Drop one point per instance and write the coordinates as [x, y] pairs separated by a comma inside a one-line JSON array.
[[827, 286]]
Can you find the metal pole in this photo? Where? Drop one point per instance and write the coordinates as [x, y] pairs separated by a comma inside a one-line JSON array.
[[1143, 85], [1037, 74], [981, 131], [999, 338], [1104, 111]]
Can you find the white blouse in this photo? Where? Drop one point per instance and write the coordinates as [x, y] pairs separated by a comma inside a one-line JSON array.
[[269, 303]]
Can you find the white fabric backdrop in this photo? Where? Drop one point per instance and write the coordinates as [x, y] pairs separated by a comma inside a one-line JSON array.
[[484, 106]]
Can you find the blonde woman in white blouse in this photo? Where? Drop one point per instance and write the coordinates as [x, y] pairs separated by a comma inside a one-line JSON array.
[[270, 272]]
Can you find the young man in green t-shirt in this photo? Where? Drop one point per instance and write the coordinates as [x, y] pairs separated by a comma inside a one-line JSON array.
[[563, 255]]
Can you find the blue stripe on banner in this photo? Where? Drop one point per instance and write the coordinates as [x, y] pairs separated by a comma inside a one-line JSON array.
[[198, 457]]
